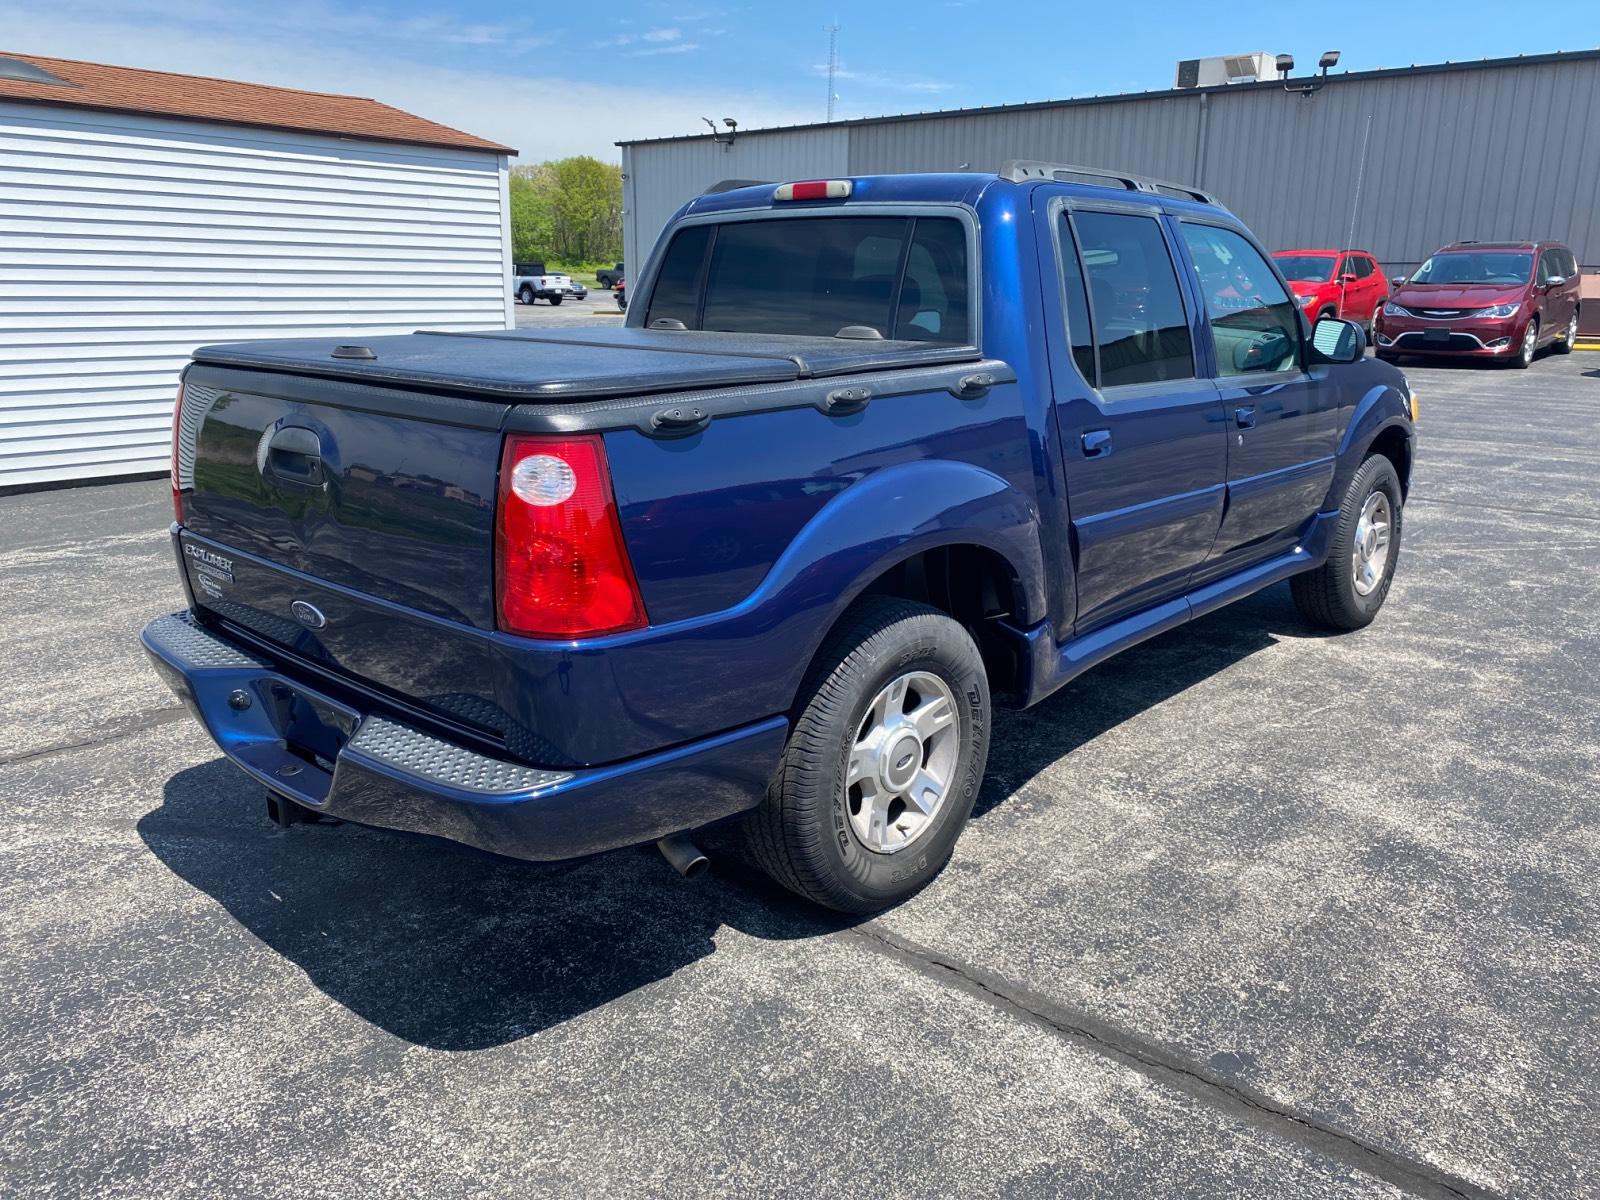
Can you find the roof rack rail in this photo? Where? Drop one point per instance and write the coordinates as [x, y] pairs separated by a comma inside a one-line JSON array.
[[730, 185], [1020, 170]]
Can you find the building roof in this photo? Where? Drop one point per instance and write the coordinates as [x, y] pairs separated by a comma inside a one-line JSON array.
[[1120, 97], [197, 98]]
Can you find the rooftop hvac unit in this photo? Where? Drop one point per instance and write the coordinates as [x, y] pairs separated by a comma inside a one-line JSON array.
[[1227, 68]]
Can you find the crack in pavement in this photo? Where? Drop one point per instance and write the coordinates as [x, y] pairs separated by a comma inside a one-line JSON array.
[[1165, 1067], [138, 724]]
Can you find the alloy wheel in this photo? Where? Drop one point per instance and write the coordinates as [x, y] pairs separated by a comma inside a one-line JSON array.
[[1369, 557], [903, 762]]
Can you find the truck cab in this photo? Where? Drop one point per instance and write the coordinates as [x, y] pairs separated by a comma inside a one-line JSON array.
[[869, 458]]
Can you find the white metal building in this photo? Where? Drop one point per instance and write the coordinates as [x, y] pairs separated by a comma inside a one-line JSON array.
[[143, 214]]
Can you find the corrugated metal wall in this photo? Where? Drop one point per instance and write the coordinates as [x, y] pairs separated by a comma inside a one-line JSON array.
[[1500, 151], [125, 242], [658, 177]]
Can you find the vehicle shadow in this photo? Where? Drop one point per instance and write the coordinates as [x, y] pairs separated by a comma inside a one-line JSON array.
[[1024, 743], [456, 950]]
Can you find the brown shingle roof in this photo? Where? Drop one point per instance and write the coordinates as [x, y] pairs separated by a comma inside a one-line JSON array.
[[194, 97]]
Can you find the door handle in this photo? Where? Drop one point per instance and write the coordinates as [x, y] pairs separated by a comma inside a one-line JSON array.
[[1244, 417], [294, 456], [1096, 443]]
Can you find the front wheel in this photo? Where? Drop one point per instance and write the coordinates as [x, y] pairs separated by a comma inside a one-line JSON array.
[[1523, 358], [1347, 590], [525, 295], [882, 768]]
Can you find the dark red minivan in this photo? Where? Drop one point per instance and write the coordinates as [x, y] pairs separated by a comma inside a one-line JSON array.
[[1500, 300]]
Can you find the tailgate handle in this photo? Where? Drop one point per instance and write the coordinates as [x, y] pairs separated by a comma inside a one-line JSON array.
[[294, 456]]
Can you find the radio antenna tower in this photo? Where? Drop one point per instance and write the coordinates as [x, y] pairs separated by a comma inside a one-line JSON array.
[[833, 63]]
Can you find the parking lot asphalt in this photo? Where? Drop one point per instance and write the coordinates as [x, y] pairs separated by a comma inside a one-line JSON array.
[[1248, 911], [597, 310]]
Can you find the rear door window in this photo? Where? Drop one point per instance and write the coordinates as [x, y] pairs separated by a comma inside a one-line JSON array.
[[901, 277], [1139, 319]]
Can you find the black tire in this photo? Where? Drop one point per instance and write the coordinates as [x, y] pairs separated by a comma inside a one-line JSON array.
[[525, 296], [1327, 312], [802, 834], [556, 300], [1327, 596]]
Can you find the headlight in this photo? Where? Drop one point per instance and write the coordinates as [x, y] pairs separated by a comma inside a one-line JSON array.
[[1499, 310], [1391, 309]]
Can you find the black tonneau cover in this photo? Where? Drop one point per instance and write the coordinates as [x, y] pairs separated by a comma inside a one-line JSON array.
[[560, 365]]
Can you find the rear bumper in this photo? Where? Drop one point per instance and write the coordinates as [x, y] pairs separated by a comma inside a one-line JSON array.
[[368, 768]]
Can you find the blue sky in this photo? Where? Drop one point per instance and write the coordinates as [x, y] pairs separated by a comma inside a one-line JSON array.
[[555, 79]]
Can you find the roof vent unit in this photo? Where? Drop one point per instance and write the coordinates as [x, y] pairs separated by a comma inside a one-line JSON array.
[[19, 71], [1226, 68]]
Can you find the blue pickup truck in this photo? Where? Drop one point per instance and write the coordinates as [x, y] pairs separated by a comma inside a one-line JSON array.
[[870, 457]]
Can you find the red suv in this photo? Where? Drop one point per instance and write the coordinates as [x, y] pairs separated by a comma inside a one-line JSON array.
[[1335, 283], [1485, 300]]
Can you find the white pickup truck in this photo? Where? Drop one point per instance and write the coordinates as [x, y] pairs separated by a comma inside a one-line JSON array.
[[530, 282]]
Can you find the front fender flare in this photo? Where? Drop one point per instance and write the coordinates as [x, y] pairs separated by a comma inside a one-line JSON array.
[[1380, 407]]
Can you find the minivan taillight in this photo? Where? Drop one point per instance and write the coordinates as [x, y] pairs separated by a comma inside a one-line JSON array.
[[177, 477], [561, 567]]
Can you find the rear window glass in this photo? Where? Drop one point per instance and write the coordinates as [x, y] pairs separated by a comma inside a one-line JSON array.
[[904, 277]]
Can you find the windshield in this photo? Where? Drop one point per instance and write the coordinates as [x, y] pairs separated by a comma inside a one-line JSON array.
[[901, 277], [1476, 266], [1305, 268]]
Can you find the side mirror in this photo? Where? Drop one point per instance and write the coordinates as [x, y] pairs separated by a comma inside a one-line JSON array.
[[1398, 280], [1555, 281], [1348, 277], [1337, 341]]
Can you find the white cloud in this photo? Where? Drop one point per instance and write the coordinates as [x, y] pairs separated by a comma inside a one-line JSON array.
[[673, 48], [884, 82], [662, 35], [542, 114]]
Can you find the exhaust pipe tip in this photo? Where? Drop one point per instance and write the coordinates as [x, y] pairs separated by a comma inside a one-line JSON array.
[[684, 855]]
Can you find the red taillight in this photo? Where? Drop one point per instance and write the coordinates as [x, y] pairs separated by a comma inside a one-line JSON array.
[[562, 568], [177, 476]]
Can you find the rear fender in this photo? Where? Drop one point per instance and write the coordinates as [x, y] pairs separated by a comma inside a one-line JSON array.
[[890, 516]]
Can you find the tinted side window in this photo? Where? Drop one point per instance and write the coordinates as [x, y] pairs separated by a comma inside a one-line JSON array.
[[677, 291], [1547, 266], [933, 295], [1079, 330], [1139, 320], [1254, 323], [1361, 265]]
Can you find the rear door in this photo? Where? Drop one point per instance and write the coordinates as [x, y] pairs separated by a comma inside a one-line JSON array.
[[1281, 420], [1141, 433]]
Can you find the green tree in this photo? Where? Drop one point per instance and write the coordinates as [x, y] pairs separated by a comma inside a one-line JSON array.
[[533, 221], [588, 209]]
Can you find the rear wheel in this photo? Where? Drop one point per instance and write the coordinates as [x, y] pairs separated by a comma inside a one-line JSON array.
[[882, 768], [556, 300], [1347, 590], [1564, 346]]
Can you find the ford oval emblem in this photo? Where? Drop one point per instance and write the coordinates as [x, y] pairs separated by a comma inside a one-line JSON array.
[[308, 615]]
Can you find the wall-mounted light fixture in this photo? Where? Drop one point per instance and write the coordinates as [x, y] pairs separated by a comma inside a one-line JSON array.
[[1285, 64], [724, 138]]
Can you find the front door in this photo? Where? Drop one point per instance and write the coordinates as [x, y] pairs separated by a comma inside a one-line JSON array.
[[1281, 420], [1140, 430]]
